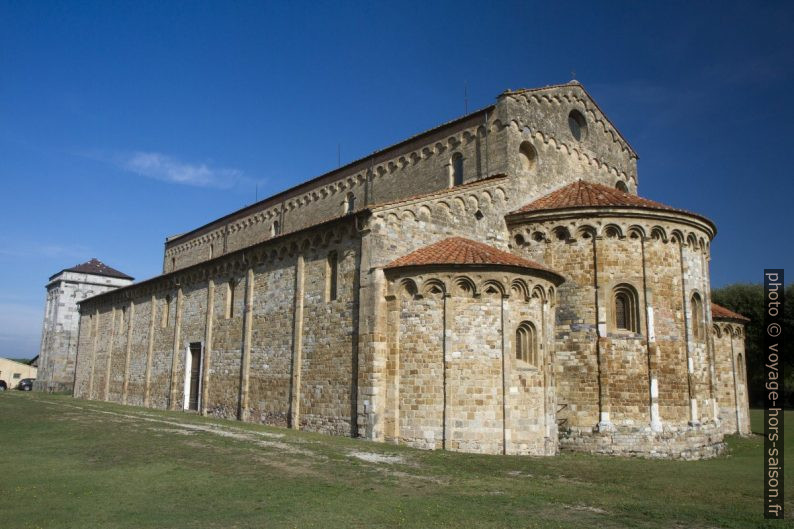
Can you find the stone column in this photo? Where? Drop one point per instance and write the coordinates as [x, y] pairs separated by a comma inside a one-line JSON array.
[[245, 364], [93, 354], [693, 405], [176, 349], [372, 352], [149, 350], [604, 421], [297, 346], [207, 359], [110, 353], [653, 384]]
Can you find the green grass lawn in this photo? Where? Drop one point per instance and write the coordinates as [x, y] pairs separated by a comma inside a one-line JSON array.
[[74, 463]]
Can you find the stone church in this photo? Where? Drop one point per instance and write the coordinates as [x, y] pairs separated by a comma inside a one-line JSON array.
[[495, 285]]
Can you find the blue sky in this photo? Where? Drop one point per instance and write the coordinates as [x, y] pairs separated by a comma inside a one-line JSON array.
[[124, 122]]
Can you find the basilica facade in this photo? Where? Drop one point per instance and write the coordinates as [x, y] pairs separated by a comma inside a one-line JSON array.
[[494, 285]]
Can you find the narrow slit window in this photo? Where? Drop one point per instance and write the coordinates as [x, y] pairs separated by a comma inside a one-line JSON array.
[[698, 321], [526, 344], [457, 169], [625, 308]]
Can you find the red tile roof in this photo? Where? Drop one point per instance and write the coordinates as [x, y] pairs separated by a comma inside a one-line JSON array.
[[461, 251], [97, 268], [581, 194], [718, 312]]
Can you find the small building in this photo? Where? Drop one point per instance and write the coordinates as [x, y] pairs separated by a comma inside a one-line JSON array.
[[11, 372], [61, 317]]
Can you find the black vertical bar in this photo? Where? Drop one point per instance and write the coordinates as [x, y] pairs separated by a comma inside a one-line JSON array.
[[773, 385]]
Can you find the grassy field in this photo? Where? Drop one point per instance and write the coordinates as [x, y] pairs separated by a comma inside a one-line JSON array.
[[73, 463]]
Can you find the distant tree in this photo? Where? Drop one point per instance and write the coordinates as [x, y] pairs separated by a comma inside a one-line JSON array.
[[748, 300]]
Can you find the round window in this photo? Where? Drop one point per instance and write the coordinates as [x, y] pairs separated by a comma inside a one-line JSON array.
[[577, 124]]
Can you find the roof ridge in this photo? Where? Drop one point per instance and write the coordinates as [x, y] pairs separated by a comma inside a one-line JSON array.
[[95, 267]]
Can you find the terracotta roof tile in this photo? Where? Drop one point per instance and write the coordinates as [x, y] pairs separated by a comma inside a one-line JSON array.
[[97, 268], [461, 251], [581, 194], [718, 312]]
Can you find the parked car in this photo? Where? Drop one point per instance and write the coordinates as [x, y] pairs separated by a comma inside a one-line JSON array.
[[26, 384], [3, 385]]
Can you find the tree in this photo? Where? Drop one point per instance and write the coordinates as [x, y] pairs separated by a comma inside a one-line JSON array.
[[748, 300]]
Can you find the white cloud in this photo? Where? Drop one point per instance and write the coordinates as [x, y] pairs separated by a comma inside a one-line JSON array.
[[162, 167]]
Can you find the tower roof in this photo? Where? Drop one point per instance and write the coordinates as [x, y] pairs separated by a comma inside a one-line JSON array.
[[95, 267], [462, 251], [718, 312]]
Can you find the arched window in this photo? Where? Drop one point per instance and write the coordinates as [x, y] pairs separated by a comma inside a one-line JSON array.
[[698, 321], [625, 308], [275, 229], [740, 367], [528, 156], [457, 169], [526, 344], [350, 203], [621, 186]]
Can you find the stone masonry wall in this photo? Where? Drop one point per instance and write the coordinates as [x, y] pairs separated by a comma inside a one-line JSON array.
[[452, 380], [278, 350], [731, 379], [629, 386], [61, 322]]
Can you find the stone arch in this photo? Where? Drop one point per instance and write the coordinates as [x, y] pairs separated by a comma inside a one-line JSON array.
[[636, 232], [551, 298], [612, 231], [538, 293], [464, 287], [492, 287], [539, 236], [528, 156], [692, 240], [433, 288], [519, 288], [407, 288], [519, 239], [717, 331], [658, 234], [561, 233], [620, 185], [586, 231], [677, 236]]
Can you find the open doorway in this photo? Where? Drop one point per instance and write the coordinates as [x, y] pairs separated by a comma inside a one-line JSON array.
[[193, 376]]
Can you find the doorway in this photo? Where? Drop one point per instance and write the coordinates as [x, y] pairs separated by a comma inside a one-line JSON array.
[[193, 377]]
